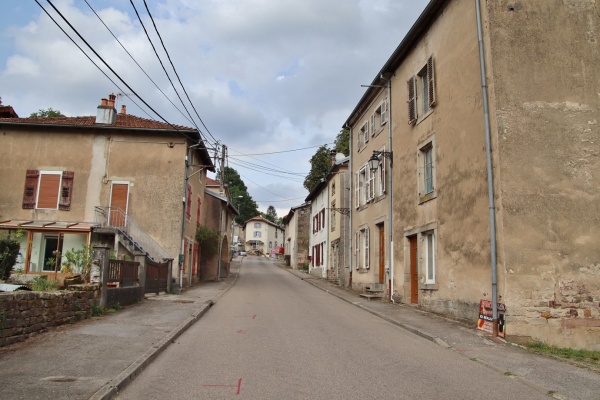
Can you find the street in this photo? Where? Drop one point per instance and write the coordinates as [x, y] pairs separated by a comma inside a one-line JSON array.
[[273, 336]]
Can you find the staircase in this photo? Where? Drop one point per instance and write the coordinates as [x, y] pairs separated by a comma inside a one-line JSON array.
[[129, 233], [373, 291]]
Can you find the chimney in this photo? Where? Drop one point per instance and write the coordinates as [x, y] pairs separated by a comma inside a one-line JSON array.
[[123, 109], [106, 113], [332, 154]]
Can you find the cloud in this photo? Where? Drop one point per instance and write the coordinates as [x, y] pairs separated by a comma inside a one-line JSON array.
[[264, 75]]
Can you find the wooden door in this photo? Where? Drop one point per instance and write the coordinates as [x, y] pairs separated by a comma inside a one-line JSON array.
[[414, 270], [381, 253], [118, 204]]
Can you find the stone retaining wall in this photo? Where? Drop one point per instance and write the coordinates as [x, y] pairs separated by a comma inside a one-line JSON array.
[[23, 314]]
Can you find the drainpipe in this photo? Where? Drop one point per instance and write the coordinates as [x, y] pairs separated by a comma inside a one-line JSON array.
[[184, 202], [350, 176], [390, 191], [490, 176]]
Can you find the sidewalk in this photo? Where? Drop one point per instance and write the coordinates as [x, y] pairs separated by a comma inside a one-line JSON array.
[[92, 359], [555, 377]]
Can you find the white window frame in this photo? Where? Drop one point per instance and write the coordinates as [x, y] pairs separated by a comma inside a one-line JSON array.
[[423, 166], [428, 256], [362, 251], [421, 92]]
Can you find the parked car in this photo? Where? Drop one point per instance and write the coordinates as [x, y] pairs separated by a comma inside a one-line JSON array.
[[243, 253]]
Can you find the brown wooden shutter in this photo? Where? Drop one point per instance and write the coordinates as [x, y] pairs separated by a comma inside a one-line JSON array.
[[412, 101], [431, 78], [49, 191], [66, 191], [30, 192]]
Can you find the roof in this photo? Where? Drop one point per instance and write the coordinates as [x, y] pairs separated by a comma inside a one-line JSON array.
[[262, 219], [212, 182], [223, 199], [323, 184], [123, 121], [429, 14]]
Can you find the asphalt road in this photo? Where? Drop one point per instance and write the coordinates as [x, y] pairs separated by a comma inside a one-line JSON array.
[[274, 336]]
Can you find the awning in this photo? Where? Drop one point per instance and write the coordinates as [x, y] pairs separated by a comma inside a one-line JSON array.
[[255, 242], [47, 225]]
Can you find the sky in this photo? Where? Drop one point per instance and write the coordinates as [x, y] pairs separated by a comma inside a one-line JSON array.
[[270, 79]]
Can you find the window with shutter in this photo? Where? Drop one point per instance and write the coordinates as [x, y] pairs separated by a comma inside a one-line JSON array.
[[366, 233], [372, 121], [383, 112], [31, 185], [412, 101]]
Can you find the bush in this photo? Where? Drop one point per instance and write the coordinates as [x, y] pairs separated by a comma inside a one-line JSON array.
[[42, 284], [9, 250]]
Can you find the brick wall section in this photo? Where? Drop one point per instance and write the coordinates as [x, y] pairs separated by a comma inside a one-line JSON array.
[[23, 314]]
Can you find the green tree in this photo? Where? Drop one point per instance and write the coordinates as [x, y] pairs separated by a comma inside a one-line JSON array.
[[49, 113], [271, 214], [240, 197], [342, 142], [320, 164]]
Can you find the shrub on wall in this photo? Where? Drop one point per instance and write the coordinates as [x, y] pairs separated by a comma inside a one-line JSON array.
[[208, 240], [9, 250]]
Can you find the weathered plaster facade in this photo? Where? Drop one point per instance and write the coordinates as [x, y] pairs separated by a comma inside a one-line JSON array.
[[145, 157], [543, 88]]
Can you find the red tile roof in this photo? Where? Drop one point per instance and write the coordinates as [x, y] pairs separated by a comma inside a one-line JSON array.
[[122, 121]]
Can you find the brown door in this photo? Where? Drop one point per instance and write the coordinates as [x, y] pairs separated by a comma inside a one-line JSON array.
[[118, 203], [381, 253], [414, 272]]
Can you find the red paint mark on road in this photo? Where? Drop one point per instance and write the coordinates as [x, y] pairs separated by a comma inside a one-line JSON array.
[[254, 316], [238, 387], [243, 331]]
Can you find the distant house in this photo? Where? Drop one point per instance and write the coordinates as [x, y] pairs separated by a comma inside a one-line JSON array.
[[219, 213], [113, 178], [297, 225], [263, 236], [495, 190], [339, 236]]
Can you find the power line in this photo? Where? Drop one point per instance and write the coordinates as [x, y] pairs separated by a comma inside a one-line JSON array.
[[175, 70], [162, 65], [267, 173], [282, 151], [135, 61], [266, 168], [109, 67]]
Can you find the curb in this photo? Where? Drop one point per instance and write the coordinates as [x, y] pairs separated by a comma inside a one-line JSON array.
[[114, 386]]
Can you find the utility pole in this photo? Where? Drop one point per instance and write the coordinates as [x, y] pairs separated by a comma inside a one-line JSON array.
[[223, 214]]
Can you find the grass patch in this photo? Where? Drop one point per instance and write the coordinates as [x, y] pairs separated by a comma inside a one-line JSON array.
[[98, 311], [42, 284], [587, 356]]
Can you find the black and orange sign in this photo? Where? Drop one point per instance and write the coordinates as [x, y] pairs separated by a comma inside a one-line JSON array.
[[486, 313]]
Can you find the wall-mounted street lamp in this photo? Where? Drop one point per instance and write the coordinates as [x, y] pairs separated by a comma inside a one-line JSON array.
[[376, 158]]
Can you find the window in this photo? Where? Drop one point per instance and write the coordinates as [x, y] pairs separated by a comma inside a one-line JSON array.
[[276, 233], [429, 256], [361, 186], [257, 234], [257, 225], [323, 219], [333, 188], [332, 216], [48, 190], [363, 134], [380, 173], [370, 185], [198, 210], [379, 118], [270, 245], [421, 92], [426, 171], [188, 206], [362, 248]]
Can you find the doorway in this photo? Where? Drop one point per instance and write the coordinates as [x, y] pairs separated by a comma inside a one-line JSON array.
[[119, 196], [414, 270], [52, 251]]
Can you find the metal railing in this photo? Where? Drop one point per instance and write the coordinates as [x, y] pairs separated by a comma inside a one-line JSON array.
[[114, 217]]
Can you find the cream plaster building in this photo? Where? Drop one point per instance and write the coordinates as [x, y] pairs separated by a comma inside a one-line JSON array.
[[494, 189]]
